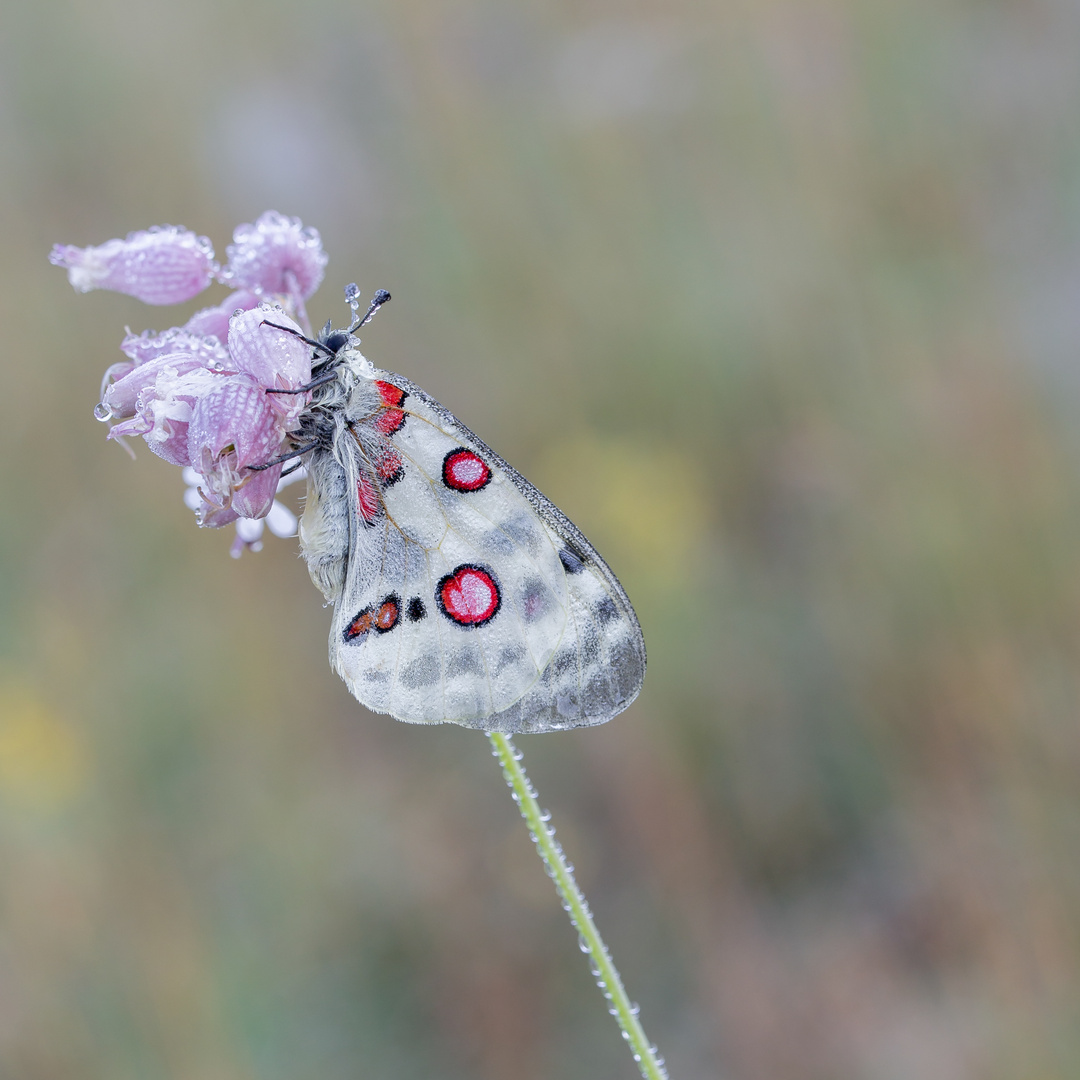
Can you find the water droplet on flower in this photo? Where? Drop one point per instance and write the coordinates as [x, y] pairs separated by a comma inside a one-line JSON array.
[[102, 411]]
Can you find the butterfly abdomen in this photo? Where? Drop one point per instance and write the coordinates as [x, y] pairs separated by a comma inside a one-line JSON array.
[[324, 525]]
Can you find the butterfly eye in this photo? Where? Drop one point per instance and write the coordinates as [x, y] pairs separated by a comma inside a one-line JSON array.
[[337, 341]]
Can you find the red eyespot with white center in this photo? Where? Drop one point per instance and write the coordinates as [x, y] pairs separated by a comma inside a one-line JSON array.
[[381, 618], [469, 595], [463, 470]]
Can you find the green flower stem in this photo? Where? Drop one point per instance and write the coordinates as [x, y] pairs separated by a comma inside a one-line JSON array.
[[562, 873]]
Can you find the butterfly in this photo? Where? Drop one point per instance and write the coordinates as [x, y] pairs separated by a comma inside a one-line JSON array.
[[460, 593]]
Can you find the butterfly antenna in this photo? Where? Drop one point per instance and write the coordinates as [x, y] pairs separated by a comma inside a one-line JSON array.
[[352, 298], [296, 333]]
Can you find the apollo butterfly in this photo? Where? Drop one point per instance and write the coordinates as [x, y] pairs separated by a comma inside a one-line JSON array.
[[460, 593]]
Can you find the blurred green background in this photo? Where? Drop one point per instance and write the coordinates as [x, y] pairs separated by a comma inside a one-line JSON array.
[[779, 301]]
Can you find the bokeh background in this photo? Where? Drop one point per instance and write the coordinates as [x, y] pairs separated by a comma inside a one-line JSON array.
[[779, 301]]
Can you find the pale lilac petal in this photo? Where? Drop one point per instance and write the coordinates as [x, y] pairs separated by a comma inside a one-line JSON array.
[[281, 521], [233, 427], [122, 397], [264, 255], [113, 374], [164, 265], [214, 321], [169, 440], [250, 529], [137, 425], [150, 344], [210, 516], [273, 356], [255, 495], [248, 536]]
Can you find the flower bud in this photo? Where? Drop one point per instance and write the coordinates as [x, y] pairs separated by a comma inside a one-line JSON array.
[[163, 265]]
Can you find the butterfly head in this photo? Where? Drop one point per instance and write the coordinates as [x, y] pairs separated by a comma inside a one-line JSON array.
[[334, 346], [334, 340]]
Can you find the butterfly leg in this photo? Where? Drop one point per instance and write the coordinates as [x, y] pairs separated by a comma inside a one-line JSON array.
[[283, 457], [319, 380]]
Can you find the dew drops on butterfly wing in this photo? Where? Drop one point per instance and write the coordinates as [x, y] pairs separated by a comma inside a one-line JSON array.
[[505, 616]]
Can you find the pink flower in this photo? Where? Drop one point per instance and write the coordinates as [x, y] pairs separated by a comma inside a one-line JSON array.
[[197, 393], [164, 265], [275, 255]]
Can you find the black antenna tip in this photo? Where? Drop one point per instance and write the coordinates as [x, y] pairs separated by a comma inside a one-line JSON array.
[[380, 297]]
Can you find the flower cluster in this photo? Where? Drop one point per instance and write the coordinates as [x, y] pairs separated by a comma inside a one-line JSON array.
[[197, 393]]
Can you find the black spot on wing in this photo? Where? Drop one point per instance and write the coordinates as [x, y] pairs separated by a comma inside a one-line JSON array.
[[606, 611], [573, 560]]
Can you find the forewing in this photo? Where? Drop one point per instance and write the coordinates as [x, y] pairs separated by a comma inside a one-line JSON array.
[[469, 597]]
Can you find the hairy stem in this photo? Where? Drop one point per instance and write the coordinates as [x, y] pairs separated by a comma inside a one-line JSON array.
[[562, 873]]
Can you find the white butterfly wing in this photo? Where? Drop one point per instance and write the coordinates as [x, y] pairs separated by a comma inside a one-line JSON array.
[[467, 595]]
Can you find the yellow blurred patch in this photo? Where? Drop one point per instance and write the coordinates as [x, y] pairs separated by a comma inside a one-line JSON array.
[[43, 762], [644, 507]]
